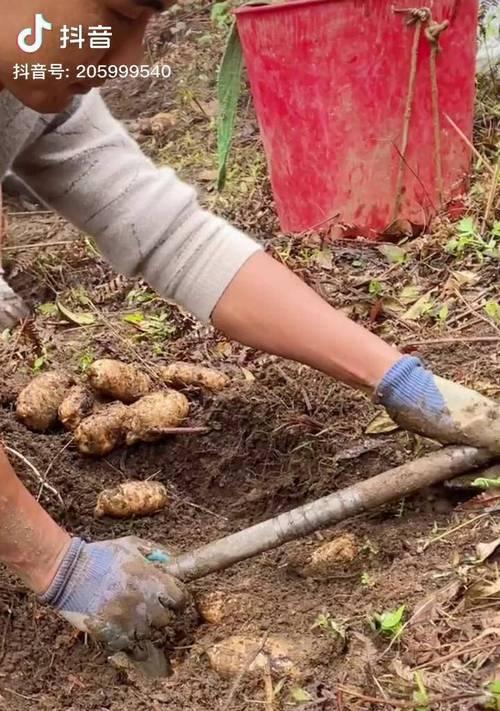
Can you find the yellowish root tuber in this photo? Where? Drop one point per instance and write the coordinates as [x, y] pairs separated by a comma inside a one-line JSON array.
[[185, 374], [132, 498], [118, 380], [150, 416], [77, 405], [39, 401], [286, 656], [217, 606], [99, 434]]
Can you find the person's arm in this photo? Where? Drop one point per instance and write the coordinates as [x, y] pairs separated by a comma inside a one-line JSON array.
[[268, 307], [31, 543]]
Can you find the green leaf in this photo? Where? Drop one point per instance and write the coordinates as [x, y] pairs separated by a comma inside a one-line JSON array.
[[219, 13], [300, 696], [48, 309], [39, 363], [134, 318], [467, 226], [483, 483], [228, 93], [494, 687], [391, 620], [375, 287], [443, 312], [492, 308], [80, 318]]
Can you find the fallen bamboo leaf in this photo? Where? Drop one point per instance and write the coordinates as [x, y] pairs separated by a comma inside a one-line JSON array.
[[410, 294], [393, 253], [419, 308], [380, 424], [80, 318], [486, 550], [300, 696]]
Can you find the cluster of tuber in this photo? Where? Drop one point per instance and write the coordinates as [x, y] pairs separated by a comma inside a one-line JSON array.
[[117, 405]]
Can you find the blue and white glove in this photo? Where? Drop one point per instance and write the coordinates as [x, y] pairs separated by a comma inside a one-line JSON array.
[[424, 403], [111, 590]]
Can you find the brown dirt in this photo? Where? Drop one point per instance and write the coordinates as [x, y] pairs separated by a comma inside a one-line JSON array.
[[275, 442]]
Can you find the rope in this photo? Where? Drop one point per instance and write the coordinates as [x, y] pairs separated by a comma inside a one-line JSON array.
[[433, 32], [421, 18]]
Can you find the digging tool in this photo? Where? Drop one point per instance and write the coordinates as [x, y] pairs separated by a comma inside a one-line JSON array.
[[365, 495], [362, 496]]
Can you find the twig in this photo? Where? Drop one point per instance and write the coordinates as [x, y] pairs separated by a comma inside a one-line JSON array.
[[460, 339], [476, 313], [373, 699], [56, 457], [452, 530], [409, 704], [195, 506], [447, 657], [185, 430], [251, 658], [469, 144], [268, 686], [38, 245], [491, 196], [35, 471]]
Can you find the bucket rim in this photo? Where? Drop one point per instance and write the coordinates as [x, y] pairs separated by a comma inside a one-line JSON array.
[[283, 5]]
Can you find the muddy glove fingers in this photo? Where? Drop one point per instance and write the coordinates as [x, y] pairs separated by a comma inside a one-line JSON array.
[[441, 409], [12, 307], [110, 590]]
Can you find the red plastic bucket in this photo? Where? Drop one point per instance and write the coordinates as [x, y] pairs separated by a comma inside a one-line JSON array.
[[330, 80]]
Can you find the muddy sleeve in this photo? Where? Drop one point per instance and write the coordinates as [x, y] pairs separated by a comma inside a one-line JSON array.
[[145, 220]]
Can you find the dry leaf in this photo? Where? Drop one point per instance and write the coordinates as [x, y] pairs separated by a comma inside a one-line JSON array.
[[390, 305], [249, 376], [416, 311], [207, 175], [381, 423], [392, 253], [410, 294], [485, 550], [427, 609], [80, 318]]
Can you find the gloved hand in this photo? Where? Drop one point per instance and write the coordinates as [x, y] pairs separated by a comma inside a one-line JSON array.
[[110, 590], [12, 307], [424, 403]]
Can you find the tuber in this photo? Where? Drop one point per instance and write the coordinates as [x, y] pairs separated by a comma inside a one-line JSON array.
[[39, 401], [118, 380], [77, 405], [185, 374], [286, 656], [99, 434], [132, 498], [216, 606], [150, 417]]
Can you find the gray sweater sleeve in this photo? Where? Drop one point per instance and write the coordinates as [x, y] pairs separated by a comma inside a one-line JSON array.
[[144, 219]]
